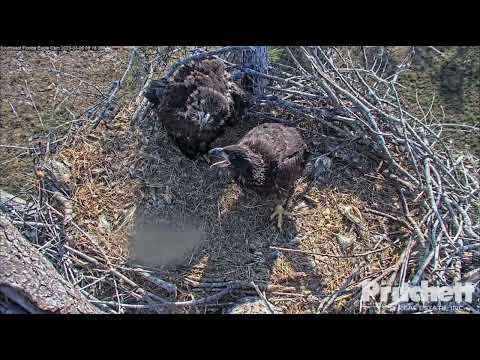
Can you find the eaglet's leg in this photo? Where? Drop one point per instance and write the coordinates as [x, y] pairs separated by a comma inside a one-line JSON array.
[[280, 210]]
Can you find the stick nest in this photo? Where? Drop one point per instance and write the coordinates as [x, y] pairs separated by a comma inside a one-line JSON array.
[[383, 198]]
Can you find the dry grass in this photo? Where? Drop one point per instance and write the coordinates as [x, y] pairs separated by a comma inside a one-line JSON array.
[[42, 93], [105, 194]]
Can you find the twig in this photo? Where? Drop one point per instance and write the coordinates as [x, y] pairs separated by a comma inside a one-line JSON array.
[[155, 280], [262, 296], [341, 289], [116, 86], [202, 56], [330, 255], [391, 217], [17, 147]]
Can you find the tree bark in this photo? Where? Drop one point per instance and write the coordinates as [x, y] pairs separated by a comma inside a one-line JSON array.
[[29, 280], [256, 60]]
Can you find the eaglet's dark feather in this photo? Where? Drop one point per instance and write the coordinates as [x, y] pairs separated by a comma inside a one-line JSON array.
[[197, 104], [269, 158]]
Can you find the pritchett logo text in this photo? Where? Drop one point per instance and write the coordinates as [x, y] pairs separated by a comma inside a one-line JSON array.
[[420, 294]]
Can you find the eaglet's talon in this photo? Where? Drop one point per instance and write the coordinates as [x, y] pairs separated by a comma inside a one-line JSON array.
[[280, 212]]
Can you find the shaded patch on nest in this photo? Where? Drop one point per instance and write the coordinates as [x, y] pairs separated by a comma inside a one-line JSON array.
[[238, 234]]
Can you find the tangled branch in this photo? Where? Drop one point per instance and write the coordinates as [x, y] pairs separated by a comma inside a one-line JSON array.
[[364, 101]]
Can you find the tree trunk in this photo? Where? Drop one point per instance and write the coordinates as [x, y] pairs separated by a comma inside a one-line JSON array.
[[30, 282], [256, 60]]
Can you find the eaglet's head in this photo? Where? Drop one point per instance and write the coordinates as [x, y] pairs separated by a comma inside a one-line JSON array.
[[236, 157], [243, 163]]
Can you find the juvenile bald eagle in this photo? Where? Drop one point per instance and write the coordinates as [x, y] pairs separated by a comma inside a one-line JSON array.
[[197, 104], [268, 159]]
